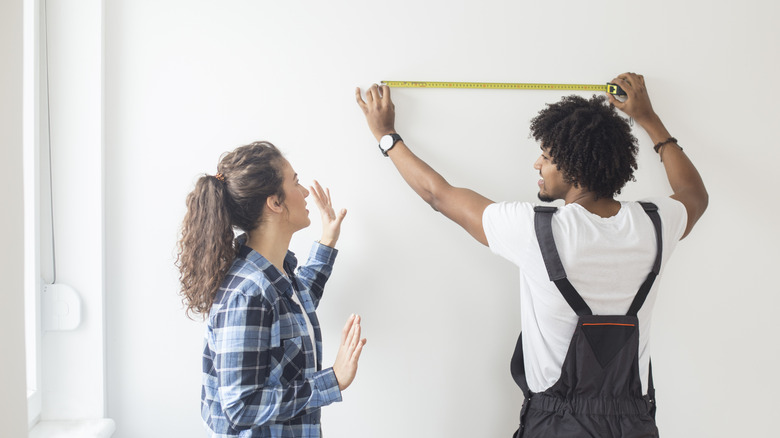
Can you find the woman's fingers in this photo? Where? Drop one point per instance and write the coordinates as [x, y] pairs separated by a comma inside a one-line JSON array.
[[319, 194], [349, 352], [347, 329], [355, 333], [356, 354], [323, 200]]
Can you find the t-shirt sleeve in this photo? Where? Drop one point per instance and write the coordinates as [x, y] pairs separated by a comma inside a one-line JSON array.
[[674, 217], [508, 227]]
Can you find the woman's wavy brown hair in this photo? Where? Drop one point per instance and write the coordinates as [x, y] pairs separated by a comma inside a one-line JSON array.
[[235, 197]]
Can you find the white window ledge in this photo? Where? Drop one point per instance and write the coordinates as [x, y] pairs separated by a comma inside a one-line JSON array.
[[102, 428]]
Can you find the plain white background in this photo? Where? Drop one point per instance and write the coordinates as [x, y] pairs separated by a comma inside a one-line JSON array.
[[186, 81]]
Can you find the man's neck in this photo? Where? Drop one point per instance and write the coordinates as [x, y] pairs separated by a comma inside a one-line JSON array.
[[604, 207]]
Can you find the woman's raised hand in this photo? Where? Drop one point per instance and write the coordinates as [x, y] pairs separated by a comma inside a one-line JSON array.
[[331, 222]]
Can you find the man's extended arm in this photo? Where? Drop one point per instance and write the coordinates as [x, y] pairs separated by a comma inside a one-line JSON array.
[[463, 206], [685, 180]]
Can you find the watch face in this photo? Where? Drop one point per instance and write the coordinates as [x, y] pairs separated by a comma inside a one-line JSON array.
[[386, 142]]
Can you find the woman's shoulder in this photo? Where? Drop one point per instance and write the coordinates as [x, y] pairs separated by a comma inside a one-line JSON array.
[[245, 279]]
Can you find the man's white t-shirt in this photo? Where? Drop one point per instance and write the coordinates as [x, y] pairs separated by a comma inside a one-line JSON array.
[[606, 260]]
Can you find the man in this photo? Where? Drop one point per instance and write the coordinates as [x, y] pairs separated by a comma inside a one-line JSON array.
[[587, 269]]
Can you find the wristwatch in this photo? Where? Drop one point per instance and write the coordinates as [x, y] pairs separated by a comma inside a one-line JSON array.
[[387, 142]]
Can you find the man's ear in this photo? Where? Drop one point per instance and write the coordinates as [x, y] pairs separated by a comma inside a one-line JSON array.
[[273, 204]]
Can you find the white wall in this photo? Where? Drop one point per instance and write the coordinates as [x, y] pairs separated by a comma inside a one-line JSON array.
[[13, 398], [187, 80]]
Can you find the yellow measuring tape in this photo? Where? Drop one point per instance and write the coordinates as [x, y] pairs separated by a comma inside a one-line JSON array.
[[609, 88]]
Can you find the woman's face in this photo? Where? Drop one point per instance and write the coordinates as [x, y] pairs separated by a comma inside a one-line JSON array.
[[294, 198]]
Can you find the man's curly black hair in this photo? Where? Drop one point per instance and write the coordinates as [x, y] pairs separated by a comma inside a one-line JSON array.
[[589, 143]]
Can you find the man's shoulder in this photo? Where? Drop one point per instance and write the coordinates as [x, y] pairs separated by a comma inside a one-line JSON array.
[[668, 208], [674, 216], [663, 201], [508, 226], [509, 208]]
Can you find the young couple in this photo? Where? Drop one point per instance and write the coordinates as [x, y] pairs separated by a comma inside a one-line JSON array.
[[586, 271]]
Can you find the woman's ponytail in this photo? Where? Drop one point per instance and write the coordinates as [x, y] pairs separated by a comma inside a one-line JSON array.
[[206, 247], [234, 197]]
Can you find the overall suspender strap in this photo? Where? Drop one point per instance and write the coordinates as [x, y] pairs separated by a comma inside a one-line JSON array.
[[552, 260], [651, 390], [517, 367], [652, 211]]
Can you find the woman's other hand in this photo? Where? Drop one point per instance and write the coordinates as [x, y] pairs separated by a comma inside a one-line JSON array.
[[347, 358]]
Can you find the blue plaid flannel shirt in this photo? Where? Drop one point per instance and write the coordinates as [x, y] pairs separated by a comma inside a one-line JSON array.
[[259, 375]]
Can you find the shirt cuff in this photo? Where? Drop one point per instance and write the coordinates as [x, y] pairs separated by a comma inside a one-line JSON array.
[[323, 253], [327, 386]]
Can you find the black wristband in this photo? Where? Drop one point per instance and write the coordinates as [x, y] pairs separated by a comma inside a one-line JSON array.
[[661, 143]]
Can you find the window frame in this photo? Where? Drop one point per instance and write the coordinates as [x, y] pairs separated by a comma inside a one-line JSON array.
[[63, 88], [33, 104]]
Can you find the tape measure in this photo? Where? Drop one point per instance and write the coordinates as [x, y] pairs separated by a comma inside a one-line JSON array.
[[609, 88]]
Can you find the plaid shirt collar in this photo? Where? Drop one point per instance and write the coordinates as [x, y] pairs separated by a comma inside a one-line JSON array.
[[281, 282]]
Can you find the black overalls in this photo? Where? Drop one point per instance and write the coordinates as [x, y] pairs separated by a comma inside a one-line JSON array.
[[599, 393]]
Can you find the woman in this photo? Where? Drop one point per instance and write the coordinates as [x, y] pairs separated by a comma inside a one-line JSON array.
[[262, 372]]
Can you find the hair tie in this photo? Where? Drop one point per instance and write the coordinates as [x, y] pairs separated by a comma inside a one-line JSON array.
[[220, 177]]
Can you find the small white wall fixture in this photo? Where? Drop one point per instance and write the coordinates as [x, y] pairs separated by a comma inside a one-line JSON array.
[[61, 308]]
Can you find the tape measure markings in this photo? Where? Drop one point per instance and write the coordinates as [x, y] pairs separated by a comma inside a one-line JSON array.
[[609, 88]]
